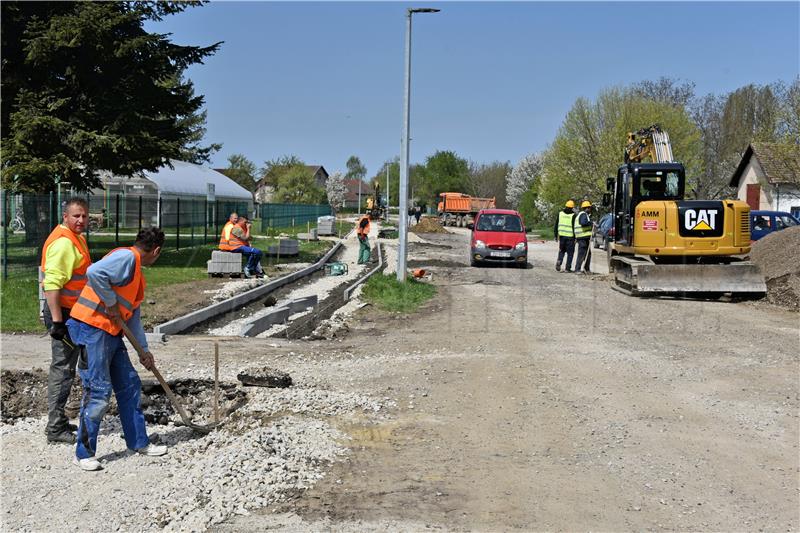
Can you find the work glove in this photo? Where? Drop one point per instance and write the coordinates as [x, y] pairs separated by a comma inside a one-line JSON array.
[[59, 331]]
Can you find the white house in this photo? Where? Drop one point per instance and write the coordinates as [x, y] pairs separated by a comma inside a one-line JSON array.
[[768, 177]]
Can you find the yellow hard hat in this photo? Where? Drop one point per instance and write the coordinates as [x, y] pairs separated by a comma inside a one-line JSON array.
[[586, 203], [570, 204]]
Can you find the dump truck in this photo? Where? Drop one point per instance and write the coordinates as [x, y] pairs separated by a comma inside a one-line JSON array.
[[459, 209], [663, 244]]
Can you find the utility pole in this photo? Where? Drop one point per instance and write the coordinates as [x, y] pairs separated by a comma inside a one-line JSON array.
[[402, 251], [387, 192]]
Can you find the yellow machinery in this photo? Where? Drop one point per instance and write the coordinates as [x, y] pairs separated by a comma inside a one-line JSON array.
[[663, 244]]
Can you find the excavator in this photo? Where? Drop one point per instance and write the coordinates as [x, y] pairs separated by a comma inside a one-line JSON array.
[[666, 245]]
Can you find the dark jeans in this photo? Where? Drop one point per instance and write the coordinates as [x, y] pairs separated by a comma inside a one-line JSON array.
[[253, 256], [566, 245], [583, 254], [59, 379]]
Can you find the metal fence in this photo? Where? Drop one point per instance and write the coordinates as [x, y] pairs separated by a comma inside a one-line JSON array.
[[114, 220], [286, 215]]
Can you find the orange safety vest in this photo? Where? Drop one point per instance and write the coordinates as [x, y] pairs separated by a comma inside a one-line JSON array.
[[91, 310], [69, 293], [365, 231], [225, 238], [235, 241]]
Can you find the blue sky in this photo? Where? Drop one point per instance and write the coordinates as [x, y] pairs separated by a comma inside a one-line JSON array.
[[490, 81]]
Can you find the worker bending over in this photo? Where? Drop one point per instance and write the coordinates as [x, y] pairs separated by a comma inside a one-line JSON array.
[[113, 293], [65, 259], [362, 232], [565, 233], [583, 232]]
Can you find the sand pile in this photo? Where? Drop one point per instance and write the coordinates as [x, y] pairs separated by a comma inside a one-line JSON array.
[[778, 256], [428, 225]]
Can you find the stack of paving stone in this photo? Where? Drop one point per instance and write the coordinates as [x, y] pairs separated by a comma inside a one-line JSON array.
[[310, 236], [224, 263], [285, 247], [326, 225]]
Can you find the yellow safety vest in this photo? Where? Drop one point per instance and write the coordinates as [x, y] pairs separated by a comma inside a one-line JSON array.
[[565, 224], [582, 232]]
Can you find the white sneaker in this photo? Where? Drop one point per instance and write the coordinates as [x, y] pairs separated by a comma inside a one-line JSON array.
[[153, 450], [90, 464]]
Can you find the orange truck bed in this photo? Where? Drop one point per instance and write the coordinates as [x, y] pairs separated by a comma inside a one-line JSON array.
[[456, 202]]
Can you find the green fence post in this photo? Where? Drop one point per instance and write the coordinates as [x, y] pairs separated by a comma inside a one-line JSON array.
[[140, 212], [178, 225], [116, 220], [6, 220], [191, 221]]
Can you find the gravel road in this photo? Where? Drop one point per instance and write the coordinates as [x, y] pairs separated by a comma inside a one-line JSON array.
[[516, 400]]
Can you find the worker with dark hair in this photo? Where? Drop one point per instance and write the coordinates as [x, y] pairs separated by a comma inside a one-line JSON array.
[[239, 241], [113, 293], [65, 258], [362, 232], [565, 235], [583, 232]]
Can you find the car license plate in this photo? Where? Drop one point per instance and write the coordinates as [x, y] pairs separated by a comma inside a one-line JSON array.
[[500, 254]]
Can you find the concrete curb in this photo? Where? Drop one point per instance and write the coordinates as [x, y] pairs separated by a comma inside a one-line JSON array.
[[277, 315], [184, 322], [351, 288]]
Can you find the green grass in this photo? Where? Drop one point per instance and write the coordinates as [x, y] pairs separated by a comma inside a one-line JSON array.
[[389, 294], [545, 232]]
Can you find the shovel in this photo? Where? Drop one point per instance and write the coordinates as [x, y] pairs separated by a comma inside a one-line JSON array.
[[172, 398]]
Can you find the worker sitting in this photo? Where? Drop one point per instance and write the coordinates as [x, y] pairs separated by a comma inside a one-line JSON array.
[[235, 238]]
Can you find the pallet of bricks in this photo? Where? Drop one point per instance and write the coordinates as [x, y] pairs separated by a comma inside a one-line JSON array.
[[224, 264]]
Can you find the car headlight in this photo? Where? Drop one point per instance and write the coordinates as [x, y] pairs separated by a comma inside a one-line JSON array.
[[480, 244], [521, 245]]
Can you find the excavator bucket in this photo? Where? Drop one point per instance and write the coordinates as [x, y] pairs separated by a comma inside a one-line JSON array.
[[643, 278]]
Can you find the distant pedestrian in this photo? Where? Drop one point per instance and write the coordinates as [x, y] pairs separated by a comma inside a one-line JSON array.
[[410, 215], [417, 213], [565, 235], [583, 232]]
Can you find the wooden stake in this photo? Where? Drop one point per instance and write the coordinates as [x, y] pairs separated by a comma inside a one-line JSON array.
[[216, 382]]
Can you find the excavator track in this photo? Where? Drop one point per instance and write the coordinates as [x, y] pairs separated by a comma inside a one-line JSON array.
[[636, 276]]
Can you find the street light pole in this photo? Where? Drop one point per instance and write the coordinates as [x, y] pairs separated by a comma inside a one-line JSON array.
[[387, 192], [403, 200]]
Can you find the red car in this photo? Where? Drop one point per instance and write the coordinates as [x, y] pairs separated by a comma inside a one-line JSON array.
[[498, 236]]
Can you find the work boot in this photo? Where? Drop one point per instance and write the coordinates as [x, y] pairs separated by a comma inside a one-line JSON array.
[[568, 270], [246, 273], [65, 437], [90, 464], [72, 427], [558, 267], [153, 450], [587, 272]]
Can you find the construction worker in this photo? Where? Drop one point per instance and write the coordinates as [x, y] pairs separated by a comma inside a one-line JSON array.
[[583, 233], [239, 241], [65, 258], [362, 231], [566, 235], [113, 293], [225, 237]]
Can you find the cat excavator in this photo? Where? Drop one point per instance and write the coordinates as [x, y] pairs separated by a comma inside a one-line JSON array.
[[665, 245]]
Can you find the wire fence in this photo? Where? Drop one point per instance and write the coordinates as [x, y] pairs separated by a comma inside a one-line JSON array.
[[114, 220], [285, 215]]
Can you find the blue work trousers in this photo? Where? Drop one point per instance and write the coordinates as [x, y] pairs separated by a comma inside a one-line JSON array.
[[253, 258], [104, 367]]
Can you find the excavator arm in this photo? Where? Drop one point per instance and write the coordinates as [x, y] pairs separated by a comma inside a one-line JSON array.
[[649, 143]]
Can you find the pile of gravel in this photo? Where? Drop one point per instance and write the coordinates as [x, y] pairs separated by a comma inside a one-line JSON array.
[[428, 225], [778, 256]]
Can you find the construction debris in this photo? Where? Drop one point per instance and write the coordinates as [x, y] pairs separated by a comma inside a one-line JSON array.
[[777, 256], [428, 225], [264, 377]]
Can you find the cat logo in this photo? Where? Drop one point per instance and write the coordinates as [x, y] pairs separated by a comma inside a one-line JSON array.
[[700, 219]]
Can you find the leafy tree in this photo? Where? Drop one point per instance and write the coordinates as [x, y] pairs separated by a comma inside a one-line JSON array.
[[444, 171], [274, 168], [521, 177], [394, 179], [336, 190], [297, 186], [355, 169], [192, 150], [86, 88], [242, 171], [589, 145], [488, 180]]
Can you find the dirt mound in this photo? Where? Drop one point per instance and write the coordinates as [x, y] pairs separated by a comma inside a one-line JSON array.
[[778, 256], [24, 394], [428, 225]]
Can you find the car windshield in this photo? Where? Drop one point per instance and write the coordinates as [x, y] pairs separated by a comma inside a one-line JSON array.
[[489, 222], [785, 222]]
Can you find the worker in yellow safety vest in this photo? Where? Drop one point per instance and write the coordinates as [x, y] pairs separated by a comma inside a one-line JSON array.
[[65, 259], [362, 232], [583, 233], [565, 235]]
